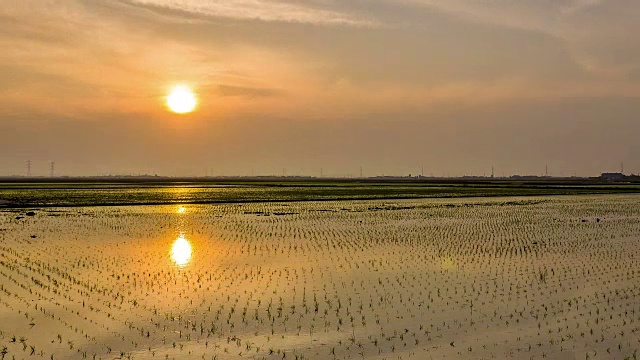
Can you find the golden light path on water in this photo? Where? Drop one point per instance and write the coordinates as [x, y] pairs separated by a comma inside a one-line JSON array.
[[181, 251]]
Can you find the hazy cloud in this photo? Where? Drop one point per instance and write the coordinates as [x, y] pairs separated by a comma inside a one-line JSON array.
[[455, 84], [230, 90], [599, 34], [262, 10]]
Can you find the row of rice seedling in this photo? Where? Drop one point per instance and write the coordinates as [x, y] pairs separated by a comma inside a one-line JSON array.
[[550, 277]]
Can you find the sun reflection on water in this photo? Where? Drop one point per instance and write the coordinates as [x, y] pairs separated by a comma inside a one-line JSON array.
[[181, 251]]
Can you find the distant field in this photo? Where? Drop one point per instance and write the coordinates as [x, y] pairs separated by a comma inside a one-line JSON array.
[[42, 194]]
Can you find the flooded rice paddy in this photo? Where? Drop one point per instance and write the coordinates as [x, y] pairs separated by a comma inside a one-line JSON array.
[[522, 278]]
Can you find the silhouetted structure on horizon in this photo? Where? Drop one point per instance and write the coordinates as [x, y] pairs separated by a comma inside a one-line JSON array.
[[613, 177]]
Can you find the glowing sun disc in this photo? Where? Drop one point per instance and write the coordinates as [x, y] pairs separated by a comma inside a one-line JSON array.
[[181, 100]]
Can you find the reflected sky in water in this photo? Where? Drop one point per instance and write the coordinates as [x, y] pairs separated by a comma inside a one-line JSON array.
[[181, 251], [181, 248]]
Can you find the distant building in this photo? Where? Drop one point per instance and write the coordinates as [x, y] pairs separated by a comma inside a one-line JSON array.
[[613, 176]]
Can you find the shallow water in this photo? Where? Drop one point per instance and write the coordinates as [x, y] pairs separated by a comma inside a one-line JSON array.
[[547, 277], [81, 194]]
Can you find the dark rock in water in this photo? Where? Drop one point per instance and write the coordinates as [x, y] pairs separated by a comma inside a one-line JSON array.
[[19, 217], [30, 213], [33, 236]]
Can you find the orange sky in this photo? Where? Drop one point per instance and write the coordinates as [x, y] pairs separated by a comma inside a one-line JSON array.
[[392, 86]]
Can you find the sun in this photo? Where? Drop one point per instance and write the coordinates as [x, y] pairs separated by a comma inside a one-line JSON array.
[[181, 100]]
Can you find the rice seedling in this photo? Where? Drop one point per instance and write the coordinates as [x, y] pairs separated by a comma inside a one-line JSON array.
[[396, 279]]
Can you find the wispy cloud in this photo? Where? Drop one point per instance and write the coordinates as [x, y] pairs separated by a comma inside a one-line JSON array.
[[543, 15], [585, 26], [257, 10], [232, 90]]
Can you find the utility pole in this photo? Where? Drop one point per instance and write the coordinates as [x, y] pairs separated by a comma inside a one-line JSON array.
[[52, 168], [28, 168], [546, 171], [422, 171], [492, 173], [360, 171], [621, 168]]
